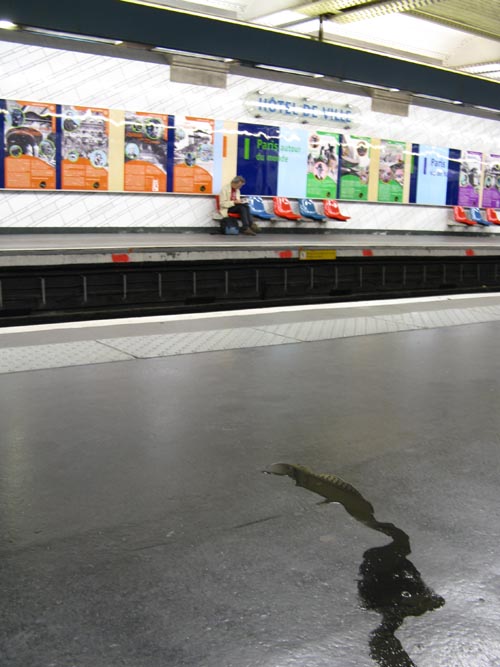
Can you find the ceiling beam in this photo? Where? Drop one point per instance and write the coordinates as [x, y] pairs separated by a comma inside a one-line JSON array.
[[248, 44]]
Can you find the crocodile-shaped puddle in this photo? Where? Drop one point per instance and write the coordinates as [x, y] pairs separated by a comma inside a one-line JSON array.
[[388, 582]]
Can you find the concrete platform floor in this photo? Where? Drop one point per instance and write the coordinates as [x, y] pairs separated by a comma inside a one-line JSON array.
[[201, 240], [137, 528]]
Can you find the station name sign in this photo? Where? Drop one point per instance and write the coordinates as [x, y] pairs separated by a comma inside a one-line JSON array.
[[299, 110]]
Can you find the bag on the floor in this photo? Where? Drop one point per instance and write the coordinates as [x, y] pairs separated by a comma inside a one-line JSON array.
[[229, 226]]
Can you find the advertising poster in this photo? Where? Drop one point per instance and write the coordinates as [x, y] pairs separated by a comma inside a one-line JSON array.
[[454, 162], [85, 148], [322, 165], [354, 167], [292, 162], [258, 158], [194, 155], [145, 152], [30, 145], [432, 175], [470, 178], [220, 155], [491, 184], [391, 173]]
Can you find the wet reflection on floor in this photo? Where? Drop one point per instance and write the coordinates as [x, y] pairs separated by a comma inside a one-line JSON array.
[[389, 583]]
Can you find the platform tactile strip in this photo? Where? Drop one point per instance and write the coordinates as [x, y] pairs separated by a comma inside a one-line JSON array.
[[165, 345], [57, 355]]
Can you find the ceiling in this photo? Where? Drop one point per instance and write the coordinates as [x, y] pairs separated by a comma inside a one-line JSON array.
[[456, 34], [434, 46]]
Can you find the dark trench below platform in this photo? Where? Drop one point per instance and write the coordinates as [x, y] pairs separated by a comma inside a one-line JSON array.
[[138, 529]]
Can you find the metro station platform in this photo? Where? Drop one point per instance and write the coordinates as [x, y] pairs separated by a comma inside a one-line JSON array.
[[138, 529]]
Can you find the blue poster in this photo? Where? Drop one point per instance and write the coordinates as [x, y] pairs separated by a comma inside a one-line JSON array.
[[258, 158], [432, 175], [292, 162], [453, 177]]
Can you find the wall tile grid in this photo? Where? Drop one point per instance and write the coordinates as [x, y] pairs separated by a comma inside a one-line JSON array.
[[42, 74]]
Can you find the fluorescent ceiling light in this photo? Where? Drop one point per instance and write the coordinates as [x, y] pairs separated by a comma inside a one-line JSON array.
[[176, 52], [477, 106], [436, 99], [285, 70], [304, 26], [217, 4], [156, 5], [278, 18], [370, 85], [77, 38], [7, 25], [483, 68]]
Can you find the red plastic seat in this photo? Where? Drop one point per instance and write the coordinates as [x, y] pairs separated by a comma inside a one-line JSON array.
[[461, 216], [331, 209], [492, 216], [229, 215], [283, 208]]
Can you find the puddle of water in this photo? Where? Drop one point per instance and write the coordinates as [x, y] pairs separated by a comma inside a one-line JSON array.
[[388, 582]]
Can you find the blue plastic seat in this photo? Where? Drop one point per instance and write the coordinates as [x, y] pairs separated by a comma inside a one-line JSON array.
[[257, 208], [475, 214], [307, 209]]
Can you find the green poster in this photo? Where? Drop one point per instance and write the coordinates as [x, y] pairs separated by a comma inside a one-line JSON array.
[[391, 171], [322, 165], [354, 167]]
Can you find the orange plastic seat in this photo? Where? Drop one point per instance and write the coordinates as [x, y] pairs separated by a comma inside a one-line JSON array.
[[492, 216], [331, 209], [461, 216], [229, 215], [283, 208]]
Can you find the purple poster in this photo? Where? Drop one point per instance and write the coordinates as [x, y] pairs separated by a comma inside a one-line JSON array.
[[491, 185], [470, 178]]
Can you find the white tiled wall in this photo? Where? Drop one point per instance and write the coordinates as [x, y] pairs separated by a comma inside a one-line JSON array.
[[49, 75]]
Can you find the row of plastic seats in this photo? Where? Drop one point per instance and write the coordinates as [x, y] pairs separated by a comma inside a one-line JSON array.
[[475, 216], [282, 208]]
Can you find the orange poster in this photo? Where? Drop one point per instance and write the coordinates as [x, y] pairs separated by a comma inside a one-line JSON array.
[[145, 152], [85, 145], [193, 155], [30, 145]]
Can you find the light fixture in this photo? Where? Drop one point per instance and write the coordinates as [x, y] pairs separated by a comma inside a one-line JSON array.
[[436, 99], [73, 36], [176, 52], [285, 70], [302, 27], [279, 18], [371, 85], [7, 25], [478, 106], [482, 68]]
